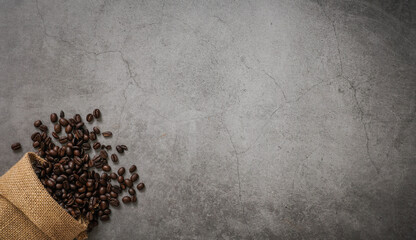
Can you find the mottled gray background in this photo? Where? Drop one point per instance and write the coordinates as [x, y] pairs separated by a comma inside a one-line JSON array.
[[246, 119]]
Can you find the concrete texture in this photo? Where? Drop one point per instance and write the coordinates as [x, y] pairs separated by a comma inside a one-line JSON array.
[[247, 119]]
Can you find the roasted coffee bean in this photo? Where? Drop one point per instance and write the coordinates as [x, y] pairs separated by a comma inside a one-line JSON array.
[[103, 154], [96, 130], [132, 168], [126, 199], [113, 176], [124, 147], [134, 198], [140, 186], [93, 136], [108, 147], [103, 146], [43, 128], [121, 171], [103, 197], [89, 117], [54, 135], [107, 211], [123, 186], [63, 122], [128, 182], [116, 189], [132, 191], [37, 123], [113, 194], [57, 128], [77, 118], [104, 218], [35, 144], [120, 179], [114, 158], [54, 117], [119, 149], [134, 177], [97, 113], [62, 114], [16, 146], [114, 202], [106, 168], [34, 136], [96, 145], [68, 129], [107, 134], [79, 125]]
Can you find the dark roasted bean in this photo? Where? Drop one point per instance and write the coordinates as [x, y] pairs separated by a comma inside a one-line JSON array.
[[113, 176], [103, 154], [96, 145], [63, 122], [62, 114], [132, 168], [121, 171], [120, 179], [37, 123], [128, 182], [124, 147], [114, 202], [16, 146], [89, 117], [140, 186], [68, 129], [93, 136], [77, 118], [134, 198], [108, 147], [114, 158], [104, 218], [96, 130], [57, 128], [126, 199], [97, 113], [134, 177], [132, 191], [119, 149], [43, 128], [106, 168]]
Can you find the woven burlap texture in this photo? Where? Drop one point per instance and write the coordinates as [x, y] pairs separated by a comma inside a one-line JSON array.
[[27, 211]]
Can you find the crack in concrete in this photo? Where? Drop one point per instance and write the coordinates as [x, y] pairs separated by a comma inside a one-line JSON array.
[[276, 83], [238, 168], [350, 83]]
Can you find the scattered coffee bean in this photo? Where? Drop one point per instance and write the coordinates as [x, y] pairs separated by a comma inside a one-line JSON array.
[[124, 147], [68, 129], [126, 199], [114, 158], [140, 186], [54, 117], [77, 118], [96, 145], [119, 149], [43, 128], [113, 176], [89, 117], [134, 198], [37, 123], [121, 171], [132, 191], [106, 168], [16, 146], [107, 134], [120, 179], [57, 128], [108, 147], [132, 168], [63, 122], [128, 182], [96, 130], [97, 113], [134, 177], [62, 114]]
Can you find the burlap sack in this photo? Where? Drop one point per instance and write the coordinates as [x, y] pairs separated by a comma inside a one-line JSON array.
[[27, 211]]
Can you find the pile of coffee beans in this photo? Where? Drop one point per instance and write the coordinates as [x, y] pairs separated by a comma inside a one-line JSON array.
[[68, 176]]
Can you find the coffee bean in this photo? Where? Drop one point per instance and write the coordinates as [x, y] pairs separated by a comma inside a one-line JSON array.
[[121, 171], [96, 130], [77, 118], [97, 113], [43, 128], [132, 191], [16, 146], [57, 128], [113, 194], [114, 202], [96, 145], [134, 177], [107, 211], [104, 218], [120, 179], [114, 158], [93, 136], [113, 176], [37, 123], [124, 147], [89, 117], [68, 129], [103, 146], [132, 168], [79, 125], [54, 117], [62, 114], [103, 154], [119, 149], [106, 168], [63, 122], [35, 144], [140, 186], [108, 147], [126, 199], [122, 186], [128, 182], [134, 198], [107, 134]]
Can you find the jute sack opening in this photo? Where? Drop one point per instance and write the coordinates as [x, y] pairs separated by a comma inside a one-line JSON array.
[[27, 211]]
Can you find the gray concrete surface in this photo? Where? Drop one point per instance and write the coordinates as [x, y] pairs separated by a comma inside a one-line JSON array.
[[247, 119]]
